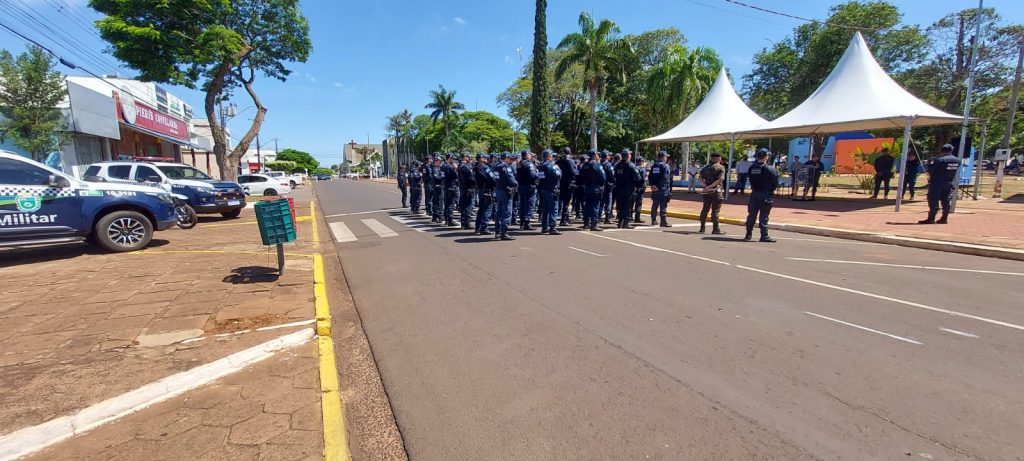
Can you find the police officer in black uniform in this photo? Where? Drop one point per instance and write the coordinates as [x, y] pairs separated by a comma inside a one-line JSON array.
[[764, 179], [467, 189], [549, 180], [505, 188], [484, 193], [626, 178], [436, 191], [608, 195], [566, 184], [527, 174], [428, 188], [592, 181], [941, 179], [638, 201], [661, 182], [415, 180], [450, 186]]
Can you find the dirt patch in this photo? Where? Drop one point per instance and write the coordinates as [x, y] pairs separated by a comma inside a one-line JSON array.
[[248, 323]]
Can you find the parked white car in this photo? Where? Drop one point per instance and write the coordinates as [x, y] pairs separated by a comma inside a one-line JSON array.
[[294, 180], [266, 185]]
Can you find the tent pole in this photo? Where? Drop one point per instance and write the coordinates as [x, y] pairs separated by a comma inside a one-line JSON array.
[[903, 163], [728, 165]]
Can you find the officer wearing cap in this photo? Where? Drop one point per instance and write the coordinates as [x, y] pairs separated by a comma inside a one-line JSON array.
[[505, 186], [566, 184], [527, 175], [661, 182], [415, 180], [467, 190], [941, 176], [592, 181], [437, 191], [764, 179], [403, 184], [626, 178], [484, 193], [607, 195], [450, 185], [577, 192], [640, 164], [428, 189], [549, 179]]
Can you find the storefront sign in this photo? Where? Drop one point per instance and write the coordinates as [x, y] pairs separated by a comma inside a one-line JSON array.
[[134, 112]]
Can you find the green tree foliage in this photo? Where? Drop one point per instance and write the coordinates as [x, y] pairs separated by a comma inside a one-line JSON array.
[[566, 101], [677, 84], [303, 160], [475, 131], [599, 50], [444, 106], [788, 72], [216, 45], [539, 110], [30, 90], [281, 165]]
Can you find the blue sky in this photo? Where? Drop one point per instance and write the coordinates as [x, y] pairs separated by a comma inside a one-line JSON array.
[[373, 58]]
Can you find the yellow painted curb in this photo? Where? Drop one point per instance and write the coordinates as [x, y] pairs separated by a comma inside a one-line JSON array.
[[335, 435], [696, 217], [312, 217]]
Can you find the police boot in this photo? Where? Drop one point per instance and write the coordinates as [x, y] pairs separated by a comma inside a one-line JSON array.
[[717, 231], [594, 228], [507, 237], [553, 231], [749, 235], [640, 221], [607, 220], [527, 226], [450, 223], [929, 220], [943, 219], [767, 239], [664, 224], [701, 230], [544, 228]]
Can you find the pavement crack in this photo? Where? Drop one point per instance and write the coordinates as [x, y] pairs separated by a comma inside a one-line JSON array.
[[870, 411]]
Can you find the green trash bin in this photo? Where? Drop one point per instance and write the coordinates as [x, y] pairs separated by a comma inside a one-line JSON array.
[[274, 218]]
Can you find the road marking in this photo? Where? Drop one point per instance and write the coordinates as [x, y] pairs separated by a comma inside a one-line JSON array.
[[957, 332], [362, 212], [332, 408], [378, 228], [34, 438], [908, 266], [662, 250], [911, 341], [587, 252], [316, 225], [842, 242], [341, 232], [412, 225], [886, 298]]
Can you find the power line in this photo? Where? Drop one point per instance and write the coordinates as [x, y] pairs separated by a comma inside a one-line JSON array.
[[62, 37], [55, 37], [792, 16]]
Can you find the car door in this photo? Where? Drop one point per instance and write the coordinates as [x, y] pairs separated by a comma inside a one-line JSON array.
[[147, 174], [32, 209]]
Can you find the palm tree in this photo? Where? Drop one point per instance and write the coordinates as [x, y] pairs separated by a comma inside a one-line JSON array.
[[676, 85], [598, 49], [399, 124], [445, 107]]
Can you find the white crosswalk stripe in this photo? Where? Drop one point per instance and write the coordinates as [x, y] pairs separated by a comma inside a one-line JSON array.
[[411, 223], [341, 232], [378, 228]]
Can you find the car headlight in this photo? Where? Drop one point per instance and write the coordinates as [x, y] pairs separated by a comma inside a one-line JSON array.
[[166, 198], [206, 190]]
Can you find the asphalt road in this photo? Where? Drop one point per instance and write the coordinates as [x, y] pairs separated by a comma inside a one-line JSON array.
[[666, 344]]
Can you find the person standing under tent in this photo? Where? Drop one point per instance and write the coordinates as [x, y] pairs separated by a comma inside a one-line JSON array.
[[713, 177], [691, 173], [909, 176], [742, 167], [883, 172], [813, 181]]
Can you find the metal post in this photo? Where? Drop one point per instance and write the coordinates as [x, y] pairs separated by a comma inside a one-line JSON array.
[[977, 160], [259, 158], [997, 191], [728, 165], [967, 105], [280, 258], [903, 162]]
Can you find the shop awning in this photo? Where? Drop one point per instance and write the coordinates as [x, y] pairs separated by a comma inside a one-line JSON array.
[[162, 136]]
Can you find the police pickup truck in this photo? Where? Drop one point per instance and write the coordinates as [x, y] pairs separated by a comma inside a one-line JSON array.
[[205, 194], [40, 205]]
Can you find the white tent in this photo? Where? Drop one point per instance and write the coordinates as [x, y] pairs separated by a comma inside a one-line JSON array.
[[719, 117], [857, 95]]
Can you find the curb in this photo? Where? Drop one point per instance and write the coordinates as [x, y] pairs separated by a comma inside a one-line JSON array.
[[32, 439], [888, 239]]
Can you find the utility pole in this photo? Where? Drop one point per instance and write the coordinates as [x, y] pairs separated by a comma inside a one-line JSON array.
[[997, 190], [259, 159], [977, 161], [967, 103]]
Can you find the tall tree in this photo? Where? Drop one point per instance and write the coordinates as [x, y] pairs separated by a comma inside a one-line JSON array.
[[598, 49], [680, 82], [30, 90], [539, 112], [445, 107], [216, 45], [399, 124]]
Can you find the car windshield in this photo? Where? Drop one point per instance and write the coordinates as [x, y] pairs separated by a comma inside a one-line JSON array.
[[182, 172]]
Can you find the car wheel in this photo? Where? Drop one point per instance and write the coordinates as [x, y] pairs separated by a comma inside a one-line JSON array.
[[123, 231], [233, 213], [269, 193]]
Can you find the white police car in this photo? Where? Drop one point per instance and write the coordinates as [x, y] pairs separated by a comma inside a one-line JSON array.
[[205, 194], [40, 205]]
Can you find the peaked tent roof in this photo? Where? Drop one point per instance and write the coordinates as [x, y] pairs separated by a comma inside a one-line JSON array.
[[857, 95], [718, 117]]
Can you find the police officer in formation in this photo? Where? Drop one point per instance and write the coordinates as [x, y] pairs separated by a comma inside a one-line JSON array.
[[450, 184], [527, 175], [415, 179], [485, 182], [549, 181], [764, 179], [592, 181], [403, 184], [941, 179], [626, 179], [467, 192], [505, 188], [641, 188], [436, 191], [608, 193], [428, 187], [661, 188], [566, 183]]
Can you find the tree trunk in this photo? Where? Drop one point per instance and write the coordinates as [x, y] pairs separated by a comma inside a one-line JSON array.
[[593, 115], [539, 96]]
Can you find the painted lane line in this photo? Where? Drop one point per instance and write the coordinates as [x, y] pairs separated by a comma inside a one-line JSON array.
[[911, 341], [958, 332], [841, 242], [886, 298], [362, 212], [341, 232], [662, 250], [409, 224], [378, 228], [908, 266], [587, 252], [34, 438]]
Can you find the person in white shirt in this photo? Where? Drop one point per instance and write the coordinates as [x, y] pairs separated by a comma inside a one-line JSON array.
[[691, 172], [742, 168]]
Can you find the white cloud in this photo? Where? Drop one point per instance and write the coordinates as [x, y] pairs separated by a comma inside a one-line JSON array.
[[459, 20], [338, 85]]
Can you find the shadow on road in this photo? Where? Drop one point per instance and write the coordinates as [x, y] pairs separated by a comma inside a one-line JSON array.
[[29, 255], [252, 274]]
